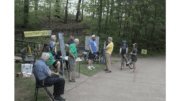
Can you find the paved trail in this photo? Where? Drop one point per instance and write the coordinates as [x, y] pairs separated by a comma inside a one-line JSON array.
[[147, 84]]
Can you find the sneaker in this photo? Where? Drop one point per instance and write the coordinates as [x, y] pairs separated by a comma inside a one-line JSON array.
[[73, 80], [89, 68], [108, 71], [127, 62], [122, 67], [92, 67], [59, 98]]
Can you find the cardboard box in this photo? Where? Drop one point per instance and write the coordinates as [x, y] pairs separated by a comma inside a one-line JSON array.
[[19, 74]]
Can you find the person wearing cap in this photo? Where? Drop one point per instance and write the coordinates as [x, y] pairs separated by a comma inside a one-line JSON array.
[[134, 55], [52, 45], [45, 76], [72, 58], [108, 52], [92, 51], [124, 50]]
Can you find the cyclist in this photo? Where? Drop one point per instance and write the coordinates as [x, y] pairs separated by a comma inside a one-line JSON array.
[[124, 50], [134, 55]]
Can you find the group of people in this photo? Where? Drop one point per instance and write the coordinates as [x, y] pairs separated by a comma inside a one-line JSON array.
[[45, 75], [108, 51]]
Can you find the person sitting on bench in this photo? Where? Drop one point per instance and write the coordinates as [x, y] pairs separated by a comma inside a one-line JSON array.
[[48, 77]]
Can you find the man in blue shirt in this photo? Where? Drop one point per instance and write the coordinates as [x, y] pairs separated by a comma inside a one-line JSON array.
[[71, 39], [92, 51], [45, 76]]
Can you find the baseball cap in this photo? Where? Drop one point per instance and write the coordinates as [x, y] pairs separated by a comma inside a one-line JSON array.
[[93, 36], [135, 44]]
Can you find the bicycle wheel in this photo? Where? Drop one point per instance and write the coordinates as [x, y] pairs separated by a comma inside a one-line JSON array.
[[131, 65]]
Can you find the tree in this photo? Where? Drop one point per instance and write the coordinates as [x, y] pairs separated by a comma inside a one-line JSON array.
[[57, 9], [26, 12], [82, 10], [36, 7], [66, 14], [78, 10]]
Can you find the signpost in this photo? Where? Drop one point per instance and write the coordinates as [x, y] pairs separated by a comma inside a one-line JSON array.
[[62, 46], [104, 52], [37, 33]]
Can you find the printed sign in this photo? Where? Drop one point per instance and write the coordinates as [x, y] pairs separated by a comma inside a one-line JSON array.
[[62, 46], [143, 51], [37, 33]]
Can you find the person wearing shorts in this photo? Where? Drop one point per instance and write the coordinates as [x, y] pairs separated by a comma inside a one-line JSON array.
[[124, 51], [72, 58], [92, 52], [51, 61], [134, 55]]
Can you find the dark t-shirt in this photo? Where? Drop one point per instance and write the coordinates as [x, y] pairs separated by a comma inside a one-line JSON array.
[[124, 49], [70, 41]]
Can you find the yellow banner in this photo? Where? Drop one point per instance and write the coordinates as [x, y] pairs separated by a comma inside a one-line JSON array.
[[143, 51], [37, 33]]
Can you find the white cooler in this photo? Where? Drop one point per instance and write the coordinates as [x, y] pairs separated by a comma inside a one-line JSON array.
[[27, 68]]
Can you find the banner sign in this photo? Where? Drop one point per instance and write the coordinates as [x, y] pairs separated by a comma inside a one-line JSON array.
[[143, 51], [62, 46], [104, 52], [37, 33]]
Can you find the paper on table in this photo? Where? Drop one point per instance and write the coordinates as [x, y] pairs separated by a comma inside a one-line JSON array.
[[67, 45]]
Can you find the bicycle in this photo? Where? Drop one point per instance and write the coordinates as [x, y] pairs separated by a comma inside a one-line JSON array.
[[129, 60], [98, 57]]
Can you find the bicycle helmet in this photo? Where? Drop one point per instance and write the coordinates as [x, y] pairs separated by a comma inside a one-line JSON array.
[[124, 41]]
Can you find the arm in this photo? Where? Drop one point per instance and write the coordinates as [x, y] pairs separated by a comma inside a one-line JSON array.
[[90, 48], [72, 54], [120, 50], [107, 47], [51, 44]]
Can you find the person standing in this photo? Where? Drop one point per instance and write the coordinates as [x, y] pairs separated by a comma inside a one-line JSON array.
[[108, 53], [52, 45], [72, 58], [92, 51], [134, 55], [123, 51]]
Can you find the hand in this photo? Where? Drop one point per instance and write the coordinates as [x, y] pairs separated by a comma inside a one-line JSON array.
[[91, 52], [74, 57], [130, 53], [57, 43], [57, 74]]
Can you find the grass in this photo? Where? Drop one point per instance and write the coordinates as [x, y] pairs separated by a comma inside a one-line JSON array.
[[89, 73], [25, 88]]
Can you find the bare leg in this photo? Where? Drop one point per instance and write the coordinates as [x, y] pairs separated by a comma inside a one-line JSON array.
[[58, 66], [89, 62], [134, 65], [125, 57]]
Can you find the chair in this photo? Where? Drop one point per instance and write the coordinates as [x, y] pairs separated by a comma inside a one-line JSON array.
[[40, 84]]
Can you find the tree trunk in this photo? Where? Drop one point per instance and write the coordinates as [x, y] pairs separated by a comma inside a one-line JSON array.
[[57, 10], [78, 10], [82, 10], [66, 14], [112, 8], [106, 23], [50, 14], [26, 12], [100, 16], [36, 7]]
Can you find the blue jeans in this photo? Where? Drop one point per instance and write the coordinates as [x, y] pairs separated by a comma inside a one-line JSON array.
[[59, 84]]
